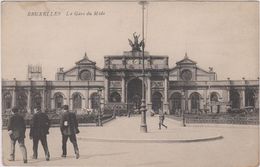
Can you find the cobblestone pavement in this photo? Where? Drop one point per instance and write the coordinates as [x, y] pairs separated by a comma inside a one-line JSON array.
[[238, 147]]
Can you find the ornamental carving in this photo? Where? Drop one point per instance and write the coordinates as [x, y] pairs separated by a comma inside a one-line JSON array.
[[115, 84], [157, 84]]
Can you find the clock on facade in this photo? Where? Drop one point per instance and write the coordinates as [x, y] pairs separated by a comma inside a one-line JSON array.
[[85, 75], [186, 75]]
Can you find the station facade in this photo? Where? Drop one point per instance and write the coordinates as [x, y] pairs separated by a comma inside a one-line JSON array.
[[183, 88]]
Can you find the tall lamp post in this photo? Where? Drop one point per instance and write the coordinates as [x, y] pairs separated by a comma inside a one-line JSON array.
[[143, 126], [99, 108]]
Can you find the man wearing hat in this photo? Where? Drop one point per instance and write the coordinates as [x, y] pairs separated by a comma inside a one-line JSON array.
[[16, 130], [69, 129], [39, 130]]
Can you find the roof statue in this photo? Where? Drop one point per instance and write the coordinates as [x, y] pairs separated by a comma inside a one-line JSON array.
[[136, 46]]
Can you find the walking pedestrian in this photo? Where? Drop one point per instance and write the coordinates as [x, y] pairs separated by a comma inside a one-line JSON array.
[[69, 129], [16, 129], [39, 130], [161, 119]]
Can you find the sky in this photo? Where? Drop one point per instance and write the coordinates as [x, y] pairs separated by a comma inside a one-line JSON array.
[[222, 35]]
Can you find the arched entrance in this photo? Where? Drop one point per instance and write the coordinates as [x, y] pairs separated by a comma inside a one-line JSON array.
[[175, 103], [157, 102], [134, 93], [235, 99]]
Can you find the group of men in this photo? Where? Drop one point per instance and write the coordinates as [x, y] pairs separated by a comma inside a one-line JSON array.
[[39, 129]]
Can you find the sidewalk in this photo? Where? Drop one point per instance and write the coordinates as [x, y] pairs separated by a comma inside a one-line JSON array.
[[239, 146]]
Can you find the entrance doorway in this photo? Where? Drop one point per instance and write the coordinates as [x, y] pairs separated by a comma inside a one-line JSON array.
[[134, 94], [157, 102]]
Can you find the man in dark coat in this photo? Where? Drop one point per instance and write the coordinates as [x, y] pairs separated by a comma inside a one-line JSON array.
[[39, 130], [69, 129], [161, 119], [16, 130]]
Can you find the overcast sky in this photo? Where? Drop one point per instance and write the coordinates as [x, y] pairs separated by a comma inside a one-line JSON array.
[[222, 35]]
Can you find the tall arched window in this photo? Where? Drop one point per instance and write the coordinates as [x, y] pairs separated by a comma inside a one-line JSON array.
[[115, 97], [95, 101], [195, 102], [7, 101], [175, 101], [235, 99], [36, 100], [250, 97], [58, 98], [77, 101], [156, 102], [214, 97], [21, 101]]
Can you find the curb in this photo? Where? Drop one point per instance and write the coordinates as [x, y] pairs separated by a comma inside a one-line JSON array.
[[151, 141]]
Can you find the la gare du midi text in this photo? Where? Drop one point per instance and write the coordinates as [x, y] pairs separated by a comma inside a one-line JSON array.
[[67, 13]]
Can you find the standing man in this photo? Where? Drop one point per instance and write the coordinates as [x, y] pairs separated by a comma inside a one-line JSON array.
[[16, 130], [69, 129], [161, 119], [39, 129]]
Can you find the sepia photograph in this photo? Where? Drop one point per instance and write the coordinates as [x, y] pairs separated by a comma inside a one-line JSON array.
[[130, 83]]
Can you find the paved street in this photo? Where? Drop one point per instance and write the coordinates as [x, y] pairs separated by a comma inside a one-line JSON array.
[[119, 143]]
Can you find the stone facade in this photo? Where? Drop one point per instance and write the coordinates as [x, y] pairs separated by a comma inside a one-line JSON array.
[[185, 87]]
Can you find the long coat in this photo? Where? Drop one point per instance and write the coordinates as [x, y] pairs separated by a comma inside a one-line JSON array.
[[40, 125], [69, 124], [16, 123]]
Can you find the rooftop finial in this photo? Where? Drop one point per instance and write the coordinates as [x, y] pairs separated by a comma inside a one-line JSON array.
[[186, 55], [85, 57]]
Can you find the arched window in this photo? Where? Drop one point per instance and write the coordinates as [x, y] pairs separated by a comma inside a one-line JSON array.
[[156, 102], [58, 98], [175, 102], [21, 101], [7, 101], [95, 101], [36, 100], [235, 99], [77, 101], [115, 97], [250, 97], [195, 102], [214, 97]]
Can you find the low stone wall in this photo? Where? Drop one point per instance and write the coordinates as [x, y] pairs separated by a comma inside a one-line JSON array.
[[220, 118]]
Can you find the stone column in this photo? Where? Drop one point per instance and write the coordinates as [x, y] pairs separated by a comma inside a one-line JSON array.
[[87, 97], [166, 104], [123, 89], [149, 102], [52, 103], [14, 98], [243, 98], [106, 88], [43, 100], [29, 101]]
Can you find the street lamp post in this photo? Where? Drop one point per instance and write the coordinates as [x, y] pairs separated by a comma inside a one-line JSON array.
[[99, 108], [143, 126]]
